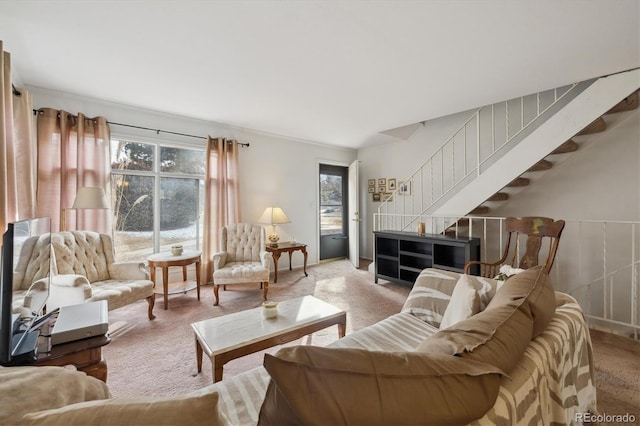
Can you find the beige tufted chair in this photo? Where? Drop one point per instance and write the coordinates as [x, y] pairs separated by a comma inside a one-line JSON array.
[[30, 279], [242, 257], [85, 271]]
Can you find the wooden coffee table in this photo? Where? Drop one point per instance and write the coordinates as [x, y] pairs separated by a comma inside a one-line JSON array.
[[242, 333]]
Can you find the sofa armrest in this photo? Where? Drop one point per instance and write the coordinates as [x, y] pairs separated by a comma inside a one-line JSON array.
[[219, 260], [265, 259], [68, 289], [128, 271]]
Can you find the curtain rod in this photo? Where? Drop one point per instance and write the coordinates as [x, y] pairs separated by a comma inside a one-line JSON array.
[[158, 131], [15, 91]]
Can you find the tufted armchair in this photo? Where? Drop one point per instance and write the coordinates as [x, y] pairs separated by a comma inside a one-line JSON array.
[[85, 271], [31, 275], [242, 257]]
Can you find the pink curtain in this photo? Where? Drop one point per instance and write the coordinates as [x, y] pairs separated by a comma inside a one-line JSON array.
[[17, 149], [221, 196], [73, 152]]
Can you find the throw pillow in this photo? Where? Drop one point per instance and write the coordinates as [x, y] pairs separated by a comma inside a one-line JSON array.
[[198, 409], [494, 336], [465, 302], [338, 386], [535, 285], [27, 389]]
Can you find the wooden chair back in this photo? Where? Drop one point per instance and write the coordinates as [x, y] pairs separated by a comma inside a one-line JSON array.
[[536, 230]]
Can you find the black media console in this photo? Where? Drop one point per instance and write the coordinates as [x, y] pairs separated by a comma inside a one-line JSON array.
[[400, 256]]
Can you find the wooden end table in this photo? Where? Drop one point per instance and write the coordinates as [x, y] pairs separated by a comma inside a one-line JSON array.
[[84, 354], [166, 260], [242, 333], [288, 248]]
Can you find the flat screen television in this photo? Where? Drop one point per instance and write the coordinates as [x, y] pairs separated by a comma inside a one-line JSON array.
[[24, 287]]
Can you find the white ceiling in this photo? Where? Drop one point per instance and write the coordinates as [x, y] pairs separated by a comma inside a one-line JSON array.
[[335, 72]]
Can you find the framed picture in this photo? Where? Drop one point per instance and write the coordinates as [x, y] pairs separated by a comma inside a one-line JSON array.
[[372, 189], [382, 188], [391, 184], [405, 188], [371, 182], [375, 197], [382, 181], [387, 196]]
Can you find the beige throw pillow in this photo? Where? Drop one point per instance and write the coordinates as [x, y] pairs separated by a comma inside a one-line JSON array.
[[27, 389], [535, 286], [464, 303], [339, 386], [183, 410], [495, 336]]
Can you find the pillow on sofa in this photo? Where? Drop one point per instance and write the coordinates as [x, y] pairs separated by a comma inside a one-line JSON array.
[[27, 389], [198, 409], [496, 336], [465, 302], [356, 386], [535, 285], [432, 291]]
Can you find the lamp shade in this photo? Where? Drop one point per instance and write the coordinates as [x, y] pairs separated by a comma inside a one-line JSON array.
[[273, 216], [90, 198]]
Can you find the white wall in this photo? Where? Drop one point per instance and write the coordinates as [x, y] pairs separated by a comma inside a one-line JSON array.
[[399, 160], [273, 170]]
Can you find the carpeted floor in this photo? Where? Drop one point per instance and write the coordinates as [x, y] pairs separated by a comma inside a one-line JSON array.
[[157, 358]]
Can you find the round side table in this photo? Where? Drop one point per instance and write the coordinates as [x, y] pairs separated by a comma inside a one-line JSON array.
[[166, 260]]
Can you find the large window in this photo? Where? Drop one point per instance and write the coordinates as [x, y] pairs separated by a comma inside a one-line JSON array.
[[157, 196]]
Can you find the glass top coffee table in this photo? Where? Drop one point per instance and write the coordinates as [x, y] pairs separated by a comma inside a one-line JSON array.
[[242, 333]]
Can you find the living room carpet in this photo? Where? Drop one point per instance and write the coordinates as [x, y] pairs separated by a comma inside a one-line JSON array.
[[157, 358]]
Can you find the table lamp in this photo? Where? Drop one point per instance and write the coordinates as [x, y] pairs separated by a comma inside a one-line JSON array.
[[86, 198], [273, 216]]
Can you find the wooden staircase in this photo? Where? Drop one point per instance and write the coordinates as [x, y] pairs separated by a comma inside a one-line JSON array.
[[599, 125]]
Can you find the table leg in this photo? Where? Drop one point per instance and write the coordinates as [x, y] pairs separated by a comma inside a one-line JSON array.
[[152, 270], [184, 273], [342, 328], [290, 253], [304, 252], [165, 286], [216, 370], [198, 355], [198, 277], [276, 256]]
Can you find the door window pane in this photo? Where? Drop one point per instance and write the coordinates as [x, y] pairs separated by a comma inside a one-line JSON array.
[[132, 198], [331, 199]]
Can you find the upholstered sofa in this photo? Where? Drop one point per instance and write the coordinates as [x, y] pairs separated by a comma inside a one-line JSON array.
[[519, 355], [85, 270]]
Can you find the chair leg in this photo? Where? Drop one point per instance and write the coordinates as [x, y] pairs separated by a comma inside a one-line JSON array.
[[215, 293], [265, 289], [152, 301]]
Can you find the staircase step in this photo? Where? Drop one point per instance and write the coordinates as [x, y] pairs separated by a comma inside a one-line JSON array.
[[499, 196], [568, 146], [519, 181], [627, 104], [463, 221], [540, 165], [597, 125], [479, 210]]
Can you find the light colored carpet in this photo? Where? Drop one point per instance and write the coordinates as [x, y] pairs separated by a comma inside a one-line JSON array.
[[157, 358]]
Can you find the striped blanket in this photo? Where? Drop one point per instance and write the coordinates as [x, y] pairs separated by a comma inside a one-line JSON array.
[[552, 382]]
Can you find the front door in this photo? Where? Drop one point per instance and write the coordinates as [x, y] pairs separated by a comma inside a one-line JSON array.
[[334, 228]]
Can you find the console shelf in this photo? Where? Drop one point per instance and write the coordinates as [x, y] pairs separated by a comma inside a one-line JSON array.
[[400, 256]]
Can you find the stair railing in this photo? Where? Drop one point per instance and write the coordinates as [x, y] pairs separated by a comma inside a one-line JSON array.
[[481, 139]]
